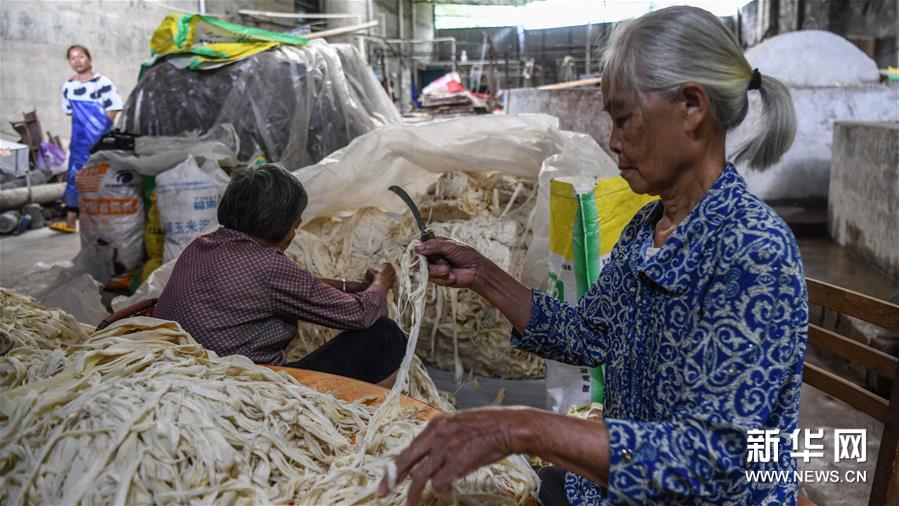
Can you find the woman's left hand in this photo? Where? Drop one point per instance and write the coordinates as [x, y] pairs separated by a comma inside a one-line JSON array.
[[451, 446]]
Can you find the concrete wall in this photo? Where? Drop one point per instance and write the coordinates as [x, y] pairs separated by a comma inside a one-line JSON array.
[[863, 208], [34, 35], [578, 110], [803, 173]]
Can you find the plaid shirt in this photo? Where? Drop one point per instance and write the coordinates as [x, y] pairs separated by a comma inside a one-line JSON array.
[[235, 296]]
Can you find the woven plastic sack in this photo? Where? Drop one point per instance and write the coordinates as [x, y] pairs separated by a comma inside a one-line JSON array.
[[111, 221], [188, 196], [586, 218]]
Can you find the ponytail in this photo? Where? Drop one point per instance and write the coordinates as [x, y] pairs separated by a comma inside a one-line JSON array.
[[659, 51], [776, 128]]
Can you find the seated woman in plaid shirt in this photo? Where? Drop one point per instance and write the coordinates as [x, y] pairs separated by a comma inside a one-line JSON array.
[[236, 292]]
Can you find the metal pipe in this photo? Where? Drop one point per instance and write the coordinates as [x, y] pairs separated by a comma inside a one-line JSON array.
[[341, 31], [201, 6], [587, 56], [298, 15], [370, 13], [15, 198], [400, 13], [402, 57]]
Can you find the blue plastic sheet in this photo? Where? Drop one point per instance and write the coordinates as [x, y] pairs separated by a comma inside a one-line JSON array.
[[89, 123]]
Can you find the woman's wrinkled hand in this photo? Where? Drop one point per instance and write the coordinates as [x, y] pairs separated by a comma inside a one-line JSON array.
[[370, 274], [384, 275], [462, 265], [452, 446]]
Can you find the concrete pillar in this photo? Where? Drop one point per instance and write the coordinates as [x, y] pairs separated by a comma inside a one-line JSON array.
[[352, 7], [423, 29], [863, 203], [578, 110]]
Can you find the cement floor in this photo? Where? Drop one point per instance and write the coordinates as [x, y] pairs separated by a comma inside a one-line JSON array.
[[19, 253], [822, 259]]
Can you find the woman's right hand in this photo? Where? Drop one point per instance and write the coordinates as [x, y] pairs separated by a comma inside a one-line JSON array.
[[384, 275], [457, 265], [464, 266]]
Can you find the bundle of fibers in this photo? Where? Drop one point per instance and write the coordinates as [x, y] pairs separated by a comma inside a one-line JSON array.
[[461, 331]]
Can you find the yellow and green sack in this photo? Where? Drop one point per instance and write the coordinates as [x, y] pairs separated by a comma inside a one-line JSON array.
[[198, 42], [586, 218], [154, 237]]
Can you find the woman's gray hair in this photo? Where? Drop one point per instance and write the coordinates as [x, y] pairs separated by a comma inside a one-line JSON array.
[[660, 51], [265, 202]]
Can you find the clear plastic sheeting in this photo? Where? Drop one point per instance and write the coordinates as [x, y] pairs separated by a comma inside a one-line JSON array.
[[293, 105], [154, 155]]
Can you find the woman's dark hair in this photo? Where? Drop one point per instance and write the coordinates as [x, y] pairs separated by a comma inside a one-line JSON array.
[[82, 48], [265, 202]]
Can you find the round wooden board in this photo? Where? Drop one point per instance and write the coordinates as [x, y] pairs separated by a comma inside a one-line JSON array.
[[351, 390]]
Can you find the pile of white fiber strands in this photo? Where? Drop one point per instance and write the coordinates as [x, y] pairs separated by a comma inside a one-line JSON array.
[[139, 413], [460, 330], [33, 340]]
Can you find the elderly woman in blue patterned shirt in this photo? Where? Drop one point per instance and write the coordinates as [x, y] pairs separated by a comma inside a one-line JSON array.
[[700, 315]]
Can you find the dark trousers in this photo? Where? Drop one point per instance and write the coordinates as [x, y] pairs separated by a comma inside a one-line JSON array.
[[552, 486], [369, 355]]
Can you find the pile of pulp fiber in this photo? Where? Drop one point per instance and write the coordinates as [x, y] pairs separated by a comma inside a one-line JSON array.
[[140, 413], [460, 330]]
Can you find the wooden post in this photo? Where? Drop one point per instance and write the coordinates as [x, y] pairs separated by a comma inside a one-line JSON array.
[[885, 489]]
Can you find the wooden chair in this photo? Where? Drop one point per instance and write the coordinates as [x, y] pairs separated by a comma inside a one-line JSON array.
[[885, 486]]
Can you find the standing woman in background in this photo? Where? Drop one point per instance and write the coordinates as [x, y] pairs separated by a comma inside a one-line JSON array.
[[93, 102]]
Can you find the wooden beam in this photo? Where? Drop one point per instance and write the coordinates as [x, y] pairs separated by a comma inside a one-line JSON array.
[[878, 312], [296, 15], [885, 487], [592, 81], [850, 393], [858, 353], [340, 31]]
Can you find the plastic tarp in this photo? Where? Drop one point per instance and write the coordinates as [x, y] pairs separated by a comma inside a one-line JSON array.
[[65, 286], [153, 155], [413, 157], [294, 105]]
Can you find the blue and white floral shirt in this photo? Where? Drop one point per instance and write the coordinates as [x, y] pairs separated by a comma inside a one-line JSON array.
[[702, 341]]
